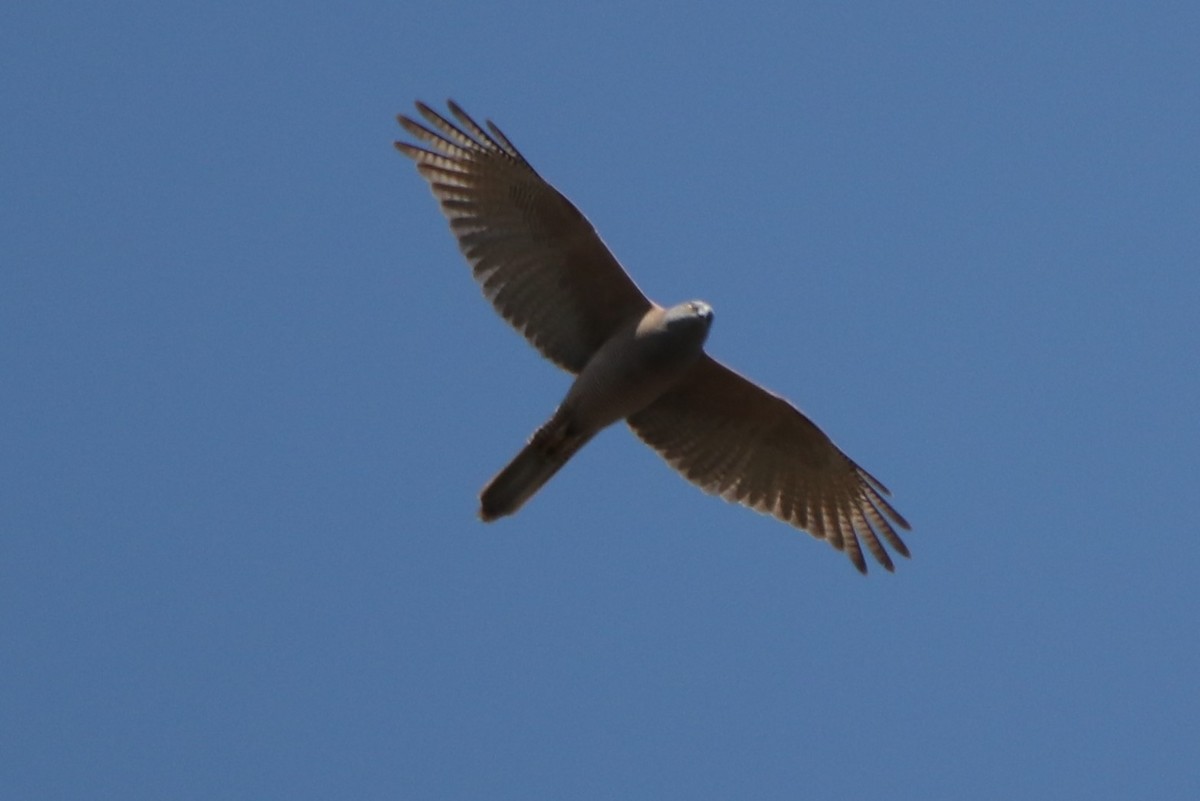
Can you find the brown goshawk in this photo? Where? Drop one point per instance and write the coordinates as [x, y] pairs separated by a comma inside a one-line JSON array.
[[546, 271]]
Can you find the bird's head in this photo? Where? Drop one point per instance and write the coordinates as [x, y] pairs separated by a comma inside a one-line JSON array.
[[694, 313], [689, 321]]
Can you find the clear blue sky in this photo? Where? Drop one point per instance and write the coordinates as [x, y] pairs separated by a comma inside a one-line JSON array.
[[249, 395]]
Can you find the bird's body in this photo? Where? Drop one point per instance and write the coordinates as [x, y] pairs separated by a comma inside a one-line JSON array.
[[640, 362], [546, 271]]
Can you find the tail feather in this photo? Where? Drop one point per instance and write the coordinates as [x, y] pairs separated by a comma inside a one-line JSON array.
[[548, 450]]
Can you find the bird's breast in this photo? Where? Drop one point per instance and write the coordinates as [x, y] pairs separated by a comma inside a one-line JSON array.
[[629, 372]]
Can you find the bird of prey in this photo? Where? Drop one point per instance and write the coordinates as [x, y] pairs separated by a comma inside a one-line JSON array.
[[546, 271]]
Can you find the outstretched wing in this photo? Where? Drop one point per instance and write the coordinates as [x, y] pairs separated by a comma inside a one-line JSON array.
[[733, 438], [538, 259]]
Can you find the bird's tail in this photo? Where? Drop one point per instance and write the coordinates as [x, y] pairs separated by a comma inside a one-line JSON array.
[[548, 450]]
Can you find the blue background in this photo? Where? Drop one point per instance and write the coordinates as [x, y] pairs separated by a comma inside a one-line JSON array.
[[250, 392]]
